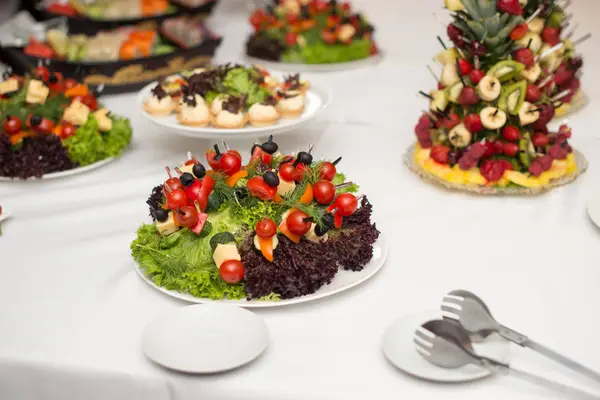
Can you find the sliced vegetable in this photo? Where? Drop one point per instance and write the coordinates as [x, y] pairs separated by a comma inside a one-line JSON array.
[[233, 179], [221, 238], [307, 196]]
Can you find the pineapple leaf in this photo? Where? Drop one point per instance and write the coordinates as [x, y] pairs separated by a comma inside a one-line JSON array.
[[493, 25], [472, 9], [505, 32], [493, 42], [487, 8], [477, 29], [462, 25]]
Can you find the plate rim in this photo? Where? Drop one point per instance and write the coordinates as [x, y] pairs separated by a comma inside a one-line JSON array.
[[381, 241], [263, 325], [323, 92], [484, 374], [318, 68], [65, 173]]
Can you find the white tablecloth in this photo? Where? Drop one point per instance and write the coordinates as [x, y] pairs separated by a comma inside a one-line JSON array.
[[72, 309]]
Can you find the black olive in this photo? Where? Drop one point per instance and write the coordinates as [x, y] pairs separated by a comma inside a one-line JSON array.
[[199, 171], [269, 147], [270, 10], [186, 179], [271, 178], [161, 215], [304, 158], [35, 120], [219, 155], [328, 221], [53, 79], [321, 230], [241, 192]]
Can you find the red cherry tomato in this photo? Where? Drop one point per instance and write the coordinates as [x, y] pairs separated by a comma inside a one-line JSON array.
[[193, 190], [69, 83], [42, 73], [212, 161], [177, 199], [266, 228], [42, 125], [346, 204], [297, 223], [328, 171], [12, 125], [324, 192], [300, 168], [256, 19], [258, 188], [259, 155], [232, 271], [55, 81], [67, 130], [288, 172], [174, 184], [90, 101], [230, 163], [187, 216]]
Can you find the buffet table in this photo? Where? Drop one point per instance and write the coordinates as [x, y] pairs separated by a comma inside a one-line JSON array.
[[73, 308]]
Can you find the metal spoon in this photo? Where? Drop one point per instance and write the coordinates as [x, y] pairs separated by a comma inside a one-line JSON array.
[[475, 317], [447, 345]]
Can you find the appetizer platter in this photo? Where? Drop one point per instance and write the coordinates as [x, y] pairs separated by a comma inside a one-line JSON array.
[[92, 17], [486, 129], [54, 127], [231, 100], [314, 35], [548, 26], [279, 230], [121, 60]]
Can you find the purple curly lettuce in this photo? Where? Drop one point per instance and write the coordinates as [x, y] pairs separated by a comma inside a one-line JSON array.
[[301, 269], [36, 157], [155, 200]]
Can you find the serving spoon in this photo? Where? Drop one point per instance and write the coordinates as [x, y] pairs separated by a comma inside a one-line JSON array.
[[448, 345], [468, 310]]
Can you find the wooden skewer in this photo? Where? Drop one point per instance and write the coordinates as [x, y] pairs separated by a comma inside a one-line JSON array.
[[561, 95], [535, 14], [433, 73]]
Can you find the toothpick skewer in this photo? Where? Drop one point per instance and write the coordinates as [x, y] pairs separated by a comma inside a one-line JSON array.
[[582, 39], [535, 14], [572, 32], [561, 95], [433, 73]]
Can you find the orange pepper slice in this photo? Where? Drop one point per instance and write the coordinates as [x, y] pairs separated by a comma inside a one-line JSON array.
[[78, 90], [16, 138], [308, 195], [285, 231], [266, 247], [233, 179], [57, 130], [175, 218]]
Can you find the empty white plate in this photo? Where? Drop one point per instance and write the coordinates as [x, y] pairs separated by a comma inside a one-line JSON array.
[[205, 338], [399, 349]]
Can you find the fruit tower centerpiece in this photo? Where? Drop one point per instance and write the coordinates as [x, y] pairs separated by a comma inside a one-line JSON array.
[[487, 125]]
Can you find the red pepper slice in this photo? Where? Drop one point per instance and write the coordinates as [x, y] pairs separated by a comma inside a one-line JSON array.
[[337, 220], [258, 188]]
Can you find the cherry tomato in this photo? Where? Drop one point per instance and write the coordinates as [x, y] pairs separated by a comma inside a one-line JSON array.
[[291, 38], [324, 192], [230, 163], [213, 160], [288, 172], [298, 223], [174, 184], [90, 101], [187, 216], [328, 171], [256, 19], [232, 271], [67, 130], [193, 190], [259, 155], [12, 125], [346, 204], [55, 81], [69, 83], [266, 228], [300, 168], [41, 125], [42, 73], [177, 199], [258, 188]]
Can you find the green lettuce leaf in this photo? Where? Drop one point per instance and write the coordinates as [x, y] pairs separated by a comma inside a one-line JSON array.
[[321, 53], [341, 178], [240, 81]]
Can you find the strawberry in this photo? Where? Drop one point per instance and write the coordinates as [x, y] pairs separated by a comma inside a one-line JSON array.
[[565, 130], [455, 34], [551, 36], [439, 153], [533, 93], [465, 67], [499, 147], [441, 86], [536, 168], [490, 148], [510, 7], [468, 97], [539, 139], [473, 123], [492, 170], [519, 31], [511, 149], [546, 162], [511, 133], [476, 75], [572, 85], [451, 121], [557, 152], [562, 75], [525, 56]]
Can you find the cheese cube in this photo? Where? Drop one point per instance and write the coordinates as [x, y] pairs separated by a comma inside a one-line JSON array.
[[77, 113], [187, 168], [285, 187], [312, 236], [37, 92], [224, 252], [167, 227], [104, 121], [9, 85]]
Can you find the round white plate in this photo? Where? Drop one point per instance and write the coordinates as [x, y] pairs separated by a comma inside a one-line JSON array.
[[317, 100], [343, 280], [399, 349], [205, 338], [593, 208], [308, 68], [64, 174]]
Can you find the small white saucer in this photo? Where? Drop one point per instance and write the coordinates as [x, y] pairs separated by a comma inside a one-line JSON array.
[[205, 338], [399, 349]]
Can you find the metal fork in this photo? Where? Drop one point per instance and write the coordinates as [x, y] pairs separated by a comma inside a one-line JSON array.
[[448, 345], [468, 310]]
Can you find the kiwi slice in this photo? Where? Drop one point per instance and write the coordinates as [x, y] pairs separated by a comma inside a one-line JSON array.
[[556, 19], [512, 97], [506, 70], [453, 92], [527, 151]]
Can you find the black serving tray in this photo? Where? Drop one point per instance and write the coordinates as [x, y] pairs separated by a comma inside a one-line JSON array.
[[90, 26]]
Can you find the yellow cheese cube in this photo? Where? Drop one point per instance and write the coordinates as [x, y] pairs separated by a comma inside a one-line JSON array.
[[224, 252], [104, 121], [285, 187], [77, 113], [37, 92], [9, 85], [167, 227]]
